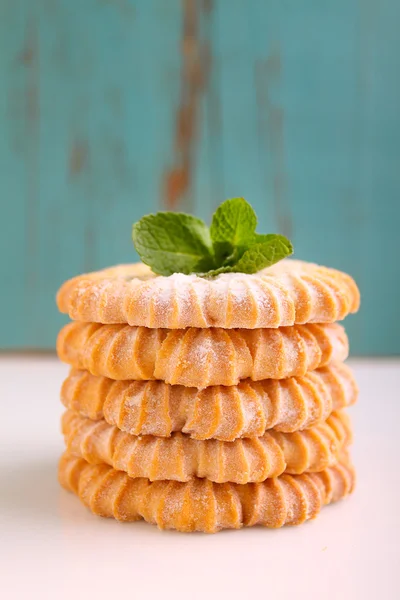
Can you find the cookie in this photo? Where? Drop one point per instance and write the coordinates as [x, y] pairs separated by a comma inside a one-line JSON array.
[[219, 412], [287, 293], [200, 505], [181, 458], [200, 357]]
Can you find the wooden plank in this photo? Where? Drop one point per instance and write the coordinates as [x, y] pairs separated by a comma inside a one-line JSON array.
[[114, 108]]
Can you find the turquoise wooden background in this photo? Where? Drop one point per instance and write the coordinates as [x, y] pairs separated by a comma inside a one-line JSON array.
[[113, 108]]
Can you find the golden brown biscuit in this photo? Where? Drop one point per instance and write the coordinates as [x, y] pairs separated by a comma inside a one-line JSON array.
[[287, 293], [181, 458], [220, 412], [200, 357], [201, 505]]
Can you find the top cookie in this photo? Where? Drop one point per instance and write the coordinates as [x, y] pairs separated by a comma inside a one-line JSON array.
[[287, 293]]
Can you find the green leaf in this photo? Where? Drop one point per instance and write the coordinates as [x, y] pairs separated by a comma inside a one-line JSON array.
[[264, 254], [173, 243], [232, 230], [269, 250]]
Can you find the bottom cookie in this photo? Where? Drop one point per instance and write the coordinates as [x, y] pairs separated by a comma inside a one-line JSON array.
[[201, 505]]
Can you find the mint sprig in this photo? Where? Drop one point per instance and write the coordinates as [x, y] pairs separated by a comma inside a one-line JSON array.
[[179, 243]]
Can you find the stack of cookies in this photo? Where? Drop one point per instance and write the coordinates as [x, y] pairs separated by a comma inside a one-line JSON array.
[[203, 404]]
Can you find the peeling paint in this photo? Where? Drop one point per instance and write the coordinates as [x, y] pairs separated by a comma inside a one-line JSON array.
[[27, 56], [78, 157], [207, 5], [196, 59], [267, 76]]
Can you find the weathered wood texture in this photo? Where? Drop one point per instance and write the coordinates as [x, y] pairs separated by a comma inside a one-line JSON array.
[[113, 108]]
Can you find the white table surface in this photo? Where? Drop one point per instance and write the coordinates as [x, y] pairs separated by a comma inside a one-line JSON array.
[[53, 547]]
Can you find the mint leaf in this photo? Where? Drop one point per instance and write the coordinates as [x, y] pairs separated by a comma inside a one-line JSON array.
[[264, 254], [270, 250], [232, 230], [173, 243]]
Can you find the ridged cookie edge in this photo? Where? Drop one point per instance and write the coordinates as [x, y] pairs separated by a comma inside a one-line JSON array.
[[201, 505], [220, 412], [282, 295], [200, 357], [180, 458]]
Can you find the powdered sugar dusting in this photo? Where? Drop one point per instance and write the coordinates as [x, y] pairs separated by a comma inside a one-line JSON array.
[[269, 298]]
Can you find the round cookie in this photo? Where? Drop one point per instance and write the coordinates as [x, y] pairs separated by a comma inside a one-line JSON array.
[[289, 292], [219, 412], [181, 458], [201, 505], [200, 357]]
